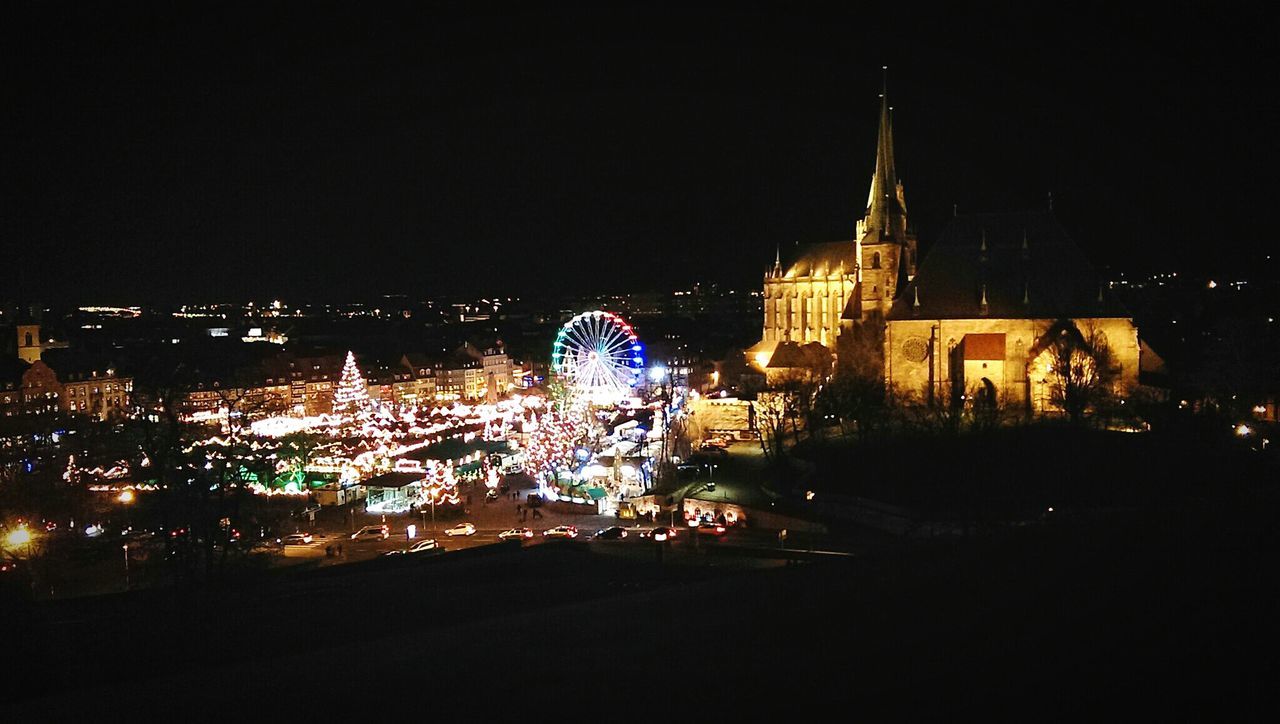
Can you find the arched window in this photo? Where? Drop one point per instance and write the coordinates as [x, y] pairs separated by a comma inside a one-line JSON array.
[[28, 344], [875, 260]]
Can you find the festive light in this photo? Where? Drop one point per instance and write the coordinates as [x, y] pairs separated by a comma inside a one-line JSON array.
[[351, 395], [598, 356]]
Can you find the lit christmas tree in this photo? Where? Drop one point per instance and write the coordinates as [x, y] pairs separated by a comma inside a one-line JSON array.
[[351, 395]]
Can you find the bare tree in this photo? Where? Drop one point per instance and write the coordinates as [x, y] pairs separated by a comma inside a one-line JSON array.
[[1081, 368], [855, 394], [942, 412], [787, 400]]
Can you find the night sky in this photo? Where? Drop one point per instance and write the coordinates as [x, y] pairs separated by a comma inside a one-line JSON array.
[[223, 152]]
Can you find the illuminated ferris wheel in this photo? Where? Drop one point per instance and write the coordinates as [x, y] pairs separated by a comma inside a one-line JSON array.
[[598, 356]]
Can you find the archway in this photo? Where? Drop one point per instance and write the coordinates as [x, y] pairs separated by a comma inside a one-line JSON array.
[[984, 398]]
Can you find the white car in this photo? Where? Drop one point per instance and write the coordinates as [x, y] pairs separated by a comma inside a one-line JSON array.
[[561, 531], [422, 545], [371, 532], [515, 534], [297, 539], [461, 529]]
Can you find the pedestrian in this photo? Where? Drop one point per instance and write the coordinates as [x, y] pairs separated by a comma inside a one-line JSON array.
[[339, 550], [517, 510]]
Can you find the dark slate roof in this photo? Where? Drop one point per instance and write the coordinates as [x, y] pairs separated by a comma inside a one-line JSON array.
[[394, 479], [808, 356], [77, 364], [1047, 278], [823, 258], [418, 361]]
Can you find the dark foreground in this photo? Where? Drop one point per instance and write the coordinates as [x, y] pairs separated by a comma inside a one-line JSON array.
[[1164, 614]]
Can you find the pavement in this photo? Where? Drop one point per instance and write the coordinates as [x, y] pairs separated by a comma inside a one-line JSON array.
[[737, 476], [335, 525]]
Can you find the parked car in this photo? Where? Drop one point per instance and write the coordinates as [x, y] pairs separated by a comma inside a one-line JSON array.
[[423, 545], [297, 539], [461, 529], [659, 534], [613, 532], [372, 532], [515, 534], [711, 529], [561, 531]]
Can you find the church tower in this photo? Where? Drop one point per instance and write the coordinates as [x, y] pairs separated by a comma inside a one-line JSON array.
[[886, 244], [831, 286], [29, 348]]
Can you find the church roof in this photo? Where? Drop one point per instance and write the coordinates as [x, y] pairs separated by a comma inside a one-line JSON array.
[[822, 259], [78, 364], [1006, 266], [812, 355]]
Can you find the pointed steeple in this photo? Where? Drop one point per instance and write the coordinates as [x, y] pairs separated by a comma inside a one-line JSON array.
[[884, 210], [777, 261]]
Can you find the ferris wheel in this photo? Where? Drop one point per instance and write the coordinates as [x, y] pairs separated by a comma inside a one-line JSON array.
[[598, 355]]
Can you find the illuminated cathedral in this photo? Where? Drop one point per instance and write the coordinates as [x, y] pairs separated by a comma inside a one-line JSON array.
[[978, 321], [833, 285]]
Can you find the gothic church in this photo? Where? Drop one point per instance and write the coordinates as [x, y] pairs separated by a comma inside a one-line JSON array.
[[990, 295]]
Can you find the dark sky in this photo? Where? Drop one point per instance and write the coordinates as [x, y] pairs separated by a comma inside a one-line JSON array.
[[193, 152]]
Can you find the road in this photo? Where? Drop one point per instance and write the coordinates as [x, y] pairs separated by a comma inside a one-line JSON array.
[[736, 478]]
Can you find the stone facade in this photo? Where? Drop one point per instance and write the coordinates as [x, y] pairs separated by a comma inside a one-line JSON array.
[[977, 318], [930, 358]]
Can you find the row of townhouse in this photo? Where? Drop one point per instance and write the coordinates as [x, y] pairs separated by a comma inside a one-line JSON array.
[[289, 382], [65, 381]]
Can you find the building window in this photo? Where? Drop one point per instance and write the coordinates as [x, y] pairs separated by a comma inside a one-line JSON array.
[[875, 260]]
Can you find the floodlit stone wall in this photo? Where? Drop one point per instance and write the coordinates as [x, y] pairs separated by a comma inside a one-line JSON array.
[[924, 352]]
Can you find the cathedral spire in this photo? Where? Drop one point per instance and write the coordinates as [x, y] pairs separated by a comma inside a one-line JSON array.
[[884, 204], [777, 260]]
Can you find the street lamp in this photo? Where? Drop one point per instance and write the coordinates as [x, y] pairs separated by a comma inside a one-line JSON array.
[[19, 536]]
